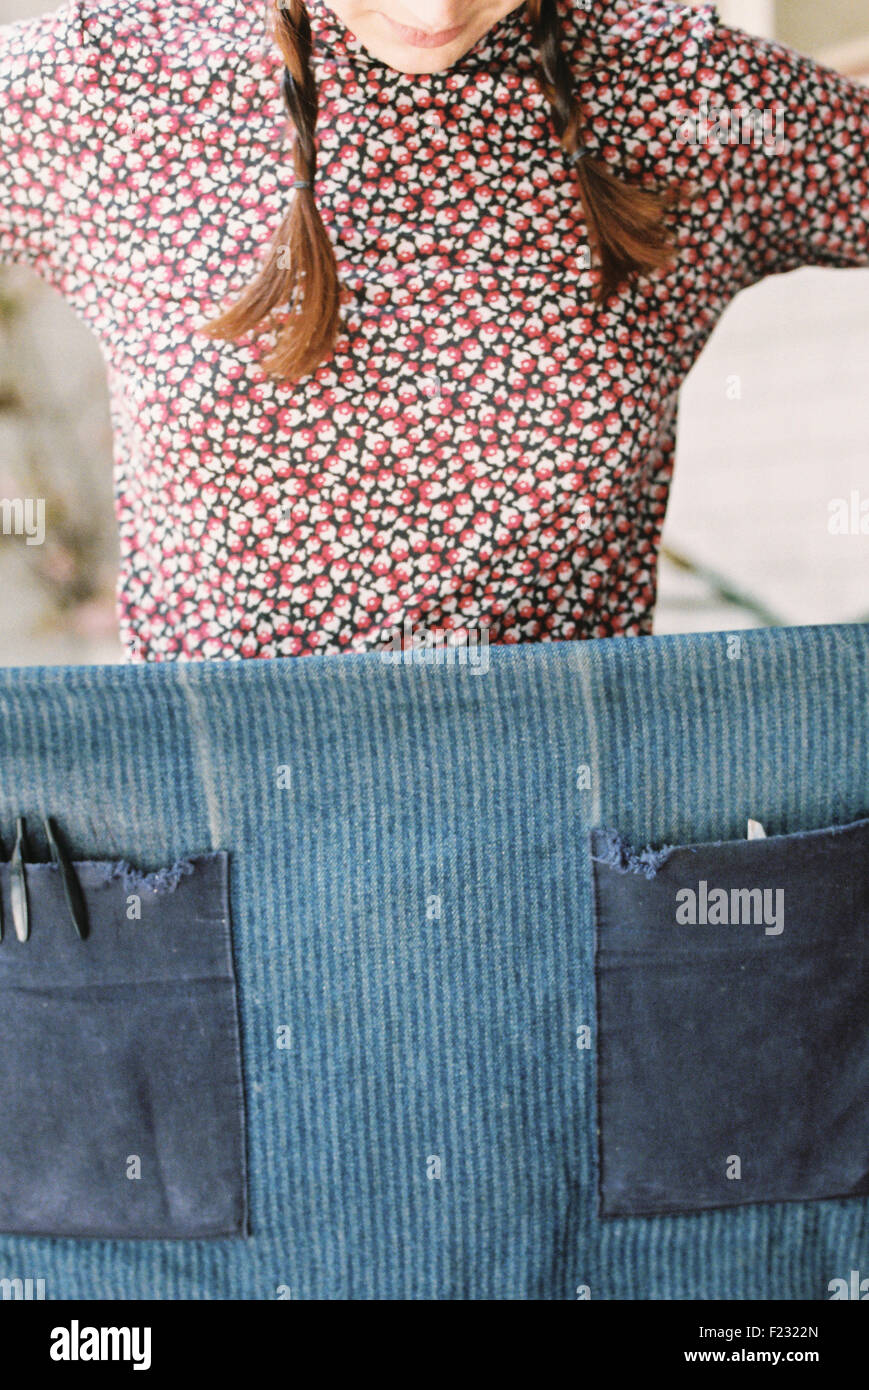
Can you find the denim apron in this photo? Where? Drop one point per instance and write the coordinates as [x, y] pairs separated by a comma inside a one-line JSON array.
[[383, 994]]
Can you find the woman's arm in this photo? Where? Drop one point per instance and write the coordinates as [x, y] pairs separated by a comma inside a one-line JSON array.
[[40, 63], [793, 141]]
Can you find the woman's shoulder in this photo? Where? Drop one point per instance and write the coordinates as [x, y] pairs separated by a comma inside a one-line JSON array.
[[110, 27], [634, 33], [68, 37], [85, 48]]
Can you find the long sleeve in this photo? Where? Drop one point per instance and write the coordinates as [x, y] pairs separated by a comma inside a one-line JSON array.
[[793, 144], [40, 60]]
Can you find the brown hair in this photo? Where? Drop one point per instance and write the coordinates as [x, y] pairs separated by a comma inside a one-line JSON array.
[[625, 223]]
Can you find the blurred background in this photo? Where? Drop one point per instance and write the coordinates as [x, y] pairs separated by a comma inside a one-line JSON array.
[[774, 427]]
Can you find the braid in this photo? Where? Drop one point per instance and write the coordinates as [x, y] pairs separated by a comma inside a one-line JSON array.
[[300, 273], [625, 223]]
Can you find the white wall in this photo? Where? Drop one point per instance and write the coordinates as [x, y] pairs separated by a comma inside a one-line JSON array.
[[757, 16]]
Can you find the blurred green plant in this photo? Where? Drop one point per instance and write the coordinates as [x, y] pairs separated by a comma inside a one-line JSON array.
[[44, 455]]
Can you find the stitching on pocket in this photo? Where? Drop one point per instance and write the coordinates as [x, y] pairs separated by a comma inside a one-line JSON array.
[[122, 1108], [711, 1037]]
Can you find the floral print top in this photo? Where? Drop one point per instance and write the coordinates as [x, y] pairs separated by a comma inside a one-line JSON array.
[[486, 447]]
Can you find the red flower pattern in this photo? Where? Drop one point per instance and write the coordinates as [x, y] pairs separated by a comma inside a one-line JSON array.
[[486, 446]]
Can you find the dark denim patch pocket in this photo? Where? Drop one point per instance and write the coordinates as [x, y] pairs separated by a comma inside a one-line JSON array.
[[121, 1102], [733, 1021]]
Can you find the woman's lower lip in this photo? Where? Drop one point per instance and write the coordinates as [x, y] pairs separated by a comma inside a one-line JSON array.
[[418, 38]]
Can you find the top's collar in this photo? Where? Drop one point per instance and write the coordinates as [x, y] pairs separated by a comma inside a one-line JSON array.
[[507, 40], [247, 23]]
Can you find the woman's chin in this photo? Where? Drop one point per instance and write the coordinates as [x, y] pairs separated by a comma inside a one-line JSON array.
[[382, 43], [416, 61]]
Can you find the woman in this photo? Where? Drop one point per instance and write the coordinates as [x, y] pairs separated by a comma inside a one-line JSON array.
[[416, 366]]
